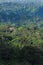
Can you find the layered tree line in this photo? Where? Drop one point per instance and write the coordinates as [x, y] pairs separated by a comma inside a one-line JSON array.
[[22, 45]]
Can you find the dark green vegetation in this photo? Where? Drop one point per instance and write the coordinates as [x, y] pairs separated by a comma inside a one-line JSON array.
[[21, 45]]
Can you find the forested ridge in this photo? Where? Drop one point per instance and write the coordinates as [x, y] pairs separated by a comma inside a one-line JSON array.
[[21, 33], [21, 45]]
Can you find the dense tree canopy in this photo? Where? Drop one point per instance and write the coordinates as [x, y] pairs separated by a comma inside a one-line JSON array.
[[22, 45]]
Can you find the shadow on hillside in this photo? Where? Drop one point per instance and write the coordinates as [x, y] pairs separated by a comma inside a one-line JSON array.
[[30, 54]]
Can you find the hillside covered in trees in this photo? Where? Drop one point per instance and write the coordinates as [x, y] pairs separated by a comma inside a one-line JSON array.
[[21, 32], [20, 13], [22, 45]]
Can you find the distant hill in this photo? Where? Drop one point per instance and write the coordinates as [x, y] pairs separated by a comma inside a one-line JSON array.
[[20, 13]]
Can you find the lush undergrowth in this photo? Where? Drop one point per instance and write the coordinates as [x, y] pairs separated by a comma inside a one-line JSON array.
[[21, 45]]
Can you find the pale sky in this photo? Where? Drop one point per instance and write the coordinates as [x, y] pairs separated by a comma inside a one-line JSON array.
[[39, 1]]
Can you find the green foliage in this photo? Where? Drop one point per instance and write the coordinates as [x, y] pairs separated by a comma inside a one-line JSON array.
[[24, 45]]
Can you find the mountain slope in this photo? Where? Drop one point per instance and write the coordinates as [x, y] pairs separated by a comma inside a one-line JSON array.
[[19, 13]]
